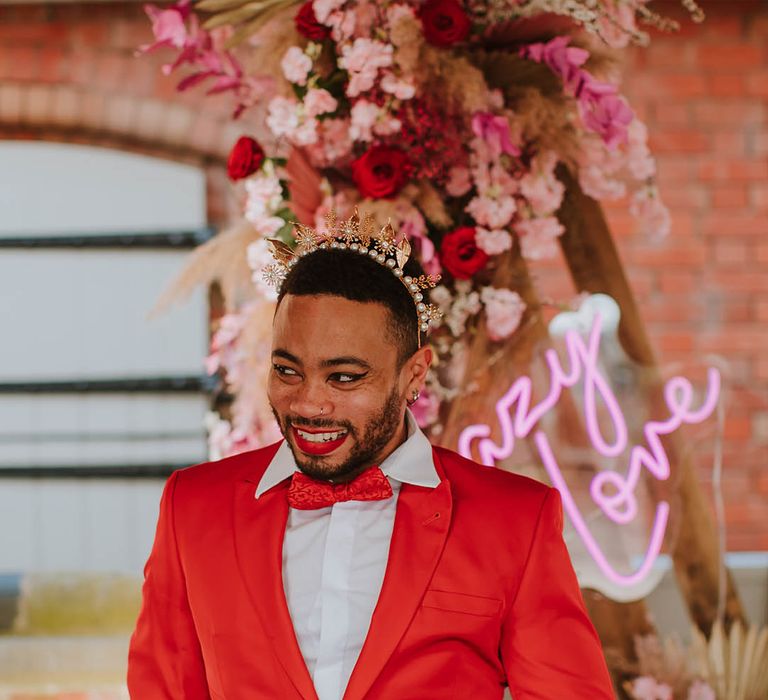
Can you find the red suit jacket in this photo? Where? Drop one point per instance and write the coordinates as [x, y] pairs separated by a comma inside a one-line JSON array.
[[478, 593]]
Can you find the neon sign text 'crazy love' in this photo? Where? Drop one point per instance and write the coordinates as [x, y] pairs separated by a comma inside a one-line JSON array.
[[612, 491]]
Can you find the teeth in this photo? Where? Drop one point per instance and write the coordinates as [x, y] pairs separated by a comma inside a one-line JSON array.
[[321, 437]]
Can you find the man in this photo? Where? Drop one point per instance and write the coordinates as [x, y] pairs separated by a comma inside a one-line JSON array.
[[353, 560]]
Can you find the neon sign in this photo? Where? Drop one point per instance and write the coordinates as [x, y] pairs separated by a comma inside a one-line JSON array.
[[613, 492]]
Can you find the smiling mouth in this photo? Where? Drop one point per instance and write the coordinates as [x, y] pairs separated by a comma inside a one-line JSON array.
[[318, 443]]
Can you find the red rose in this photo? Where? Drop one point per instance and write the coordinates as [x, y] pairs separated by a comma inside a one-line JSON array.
[[245, 159], [445, 22], [307, 24], [381, 171], [460, 255]]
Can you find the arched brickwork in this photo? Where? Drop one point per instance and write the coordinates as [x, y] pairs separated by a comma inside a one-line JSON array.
[[69, 73]]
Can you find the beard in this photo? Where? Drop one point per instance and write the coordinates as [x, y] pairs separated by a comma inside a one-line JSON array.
[[367, 445]]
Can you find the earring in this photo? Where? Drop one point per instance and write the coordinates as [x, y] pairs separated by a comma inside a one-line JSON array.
[[414, 397]]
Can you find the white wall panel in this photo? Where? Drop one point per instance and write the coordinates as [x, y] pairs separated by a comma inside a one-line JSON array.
[[52, 188]]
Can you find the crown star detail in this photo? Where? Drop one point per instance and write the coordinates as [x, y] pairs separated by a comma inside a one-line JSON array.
[[358, 237]]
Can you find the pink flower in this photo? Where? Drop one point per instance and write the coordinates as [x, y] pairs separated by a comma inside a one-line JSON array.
[[492, 213], [540, 187], [647, 688], [640, 162], [493, 242], [538, 237], [334, 144], [306, 133], [653, 216], [343, 25], [701, 691], [323, 9], [503, 310], [459, 182], [401, 89], [168, 26], [562, 59], [426, 409], [596, 184], [283, 116], [494, 130], [362, 60], [318, 101], [607, 115], [296, 65], [363, 115]]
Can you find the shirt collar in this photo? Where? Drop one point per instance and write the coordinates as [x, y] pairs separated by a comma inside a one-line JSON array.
[[410, 463]]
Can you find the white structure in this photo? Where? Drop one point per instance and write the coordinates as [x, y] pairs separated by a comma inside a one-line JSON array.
[[82, 314]]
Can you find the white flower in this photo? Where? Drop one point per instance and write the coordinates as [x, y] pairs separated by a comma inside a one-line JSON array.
[[493, 242], [503, 310], [296, 65], [283, 116]]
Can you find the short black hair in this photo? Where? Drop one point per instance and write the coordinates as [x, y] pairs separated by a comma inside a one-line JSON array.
[[347, 274]]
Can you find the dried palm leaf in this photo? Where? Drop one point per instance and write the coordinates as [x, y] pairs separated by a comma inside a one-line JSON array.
[[221, 259], [247, 17]]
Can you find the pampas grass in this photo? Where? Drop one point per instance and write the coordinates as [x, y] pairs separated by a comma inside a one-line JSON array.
[[222, 259]]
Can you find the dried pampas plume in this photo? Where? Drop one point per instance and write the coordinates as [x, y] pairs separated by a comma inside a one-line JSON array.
[[223, 259]]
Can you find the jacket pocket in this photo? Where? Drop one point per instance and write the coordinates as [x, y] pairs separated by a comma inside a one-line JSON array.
[[461, 602]]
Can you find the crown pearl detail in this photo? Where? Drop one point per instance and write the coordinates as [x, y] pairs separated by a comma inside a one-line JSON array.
[[358, 237]]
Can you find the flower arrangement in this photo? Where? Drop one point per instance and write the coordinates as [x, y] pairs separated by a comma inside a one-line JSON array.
[[728, 665], [449, 118]]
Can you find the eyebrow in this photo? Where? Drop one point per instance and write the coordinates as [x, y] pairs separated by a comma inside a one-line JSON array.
[[331, 362]]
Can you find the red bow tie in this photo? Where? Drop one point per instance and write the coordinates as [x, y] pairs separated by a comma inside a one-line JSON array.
[[306, 493]]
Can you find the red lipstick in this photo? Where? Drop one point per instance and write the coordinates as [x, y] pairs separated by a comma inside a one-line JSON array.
[[317, 448]]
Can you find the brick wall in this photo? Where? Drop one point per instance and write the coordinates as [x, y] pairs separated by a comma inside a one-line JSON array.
[[704, 95], [67, 73]]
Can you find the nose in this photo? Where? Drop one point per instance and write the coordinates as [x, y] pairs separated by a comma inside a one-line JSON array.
[[311, 401]]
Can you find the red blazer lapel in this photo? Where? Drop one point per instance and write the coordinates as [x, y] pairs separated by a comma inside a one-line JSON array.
[[421, 527], [259, 529]]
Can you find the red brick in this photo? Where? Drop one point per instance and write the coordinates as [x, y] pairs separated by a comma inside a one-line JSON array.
[[668, 113], [678, 141], [676, 85], [726, 85], [761, 369], [671, 54], [734, 143], [733, 224], [730, 252], [728, 169], [731, 113], [675, 251], [675, 281], [757, 82], [737, 427], [741, 281], [729, 57], [758, 195], [736, 338], [761, 253], [728, 196], [761, 310], [670, 310], [672, 342]]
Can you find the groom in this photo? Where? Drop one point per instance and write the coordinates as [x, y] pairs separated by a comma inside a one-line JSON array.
[[353, 559]]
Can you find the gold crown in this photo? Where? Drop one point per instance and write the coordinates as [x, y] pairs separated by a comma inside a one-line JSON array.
[[357, 237]]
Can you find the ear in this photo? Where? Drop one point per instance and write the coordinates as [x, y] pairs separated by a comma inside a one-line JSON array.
[[415, 369]]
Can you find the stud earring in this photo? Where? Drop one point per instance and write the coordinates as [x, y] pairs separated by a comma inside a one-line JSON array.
[[414, 398]]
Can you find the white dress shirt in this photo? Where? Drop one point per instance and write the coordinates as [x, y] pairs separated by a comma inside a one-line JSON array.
[[334, 560]]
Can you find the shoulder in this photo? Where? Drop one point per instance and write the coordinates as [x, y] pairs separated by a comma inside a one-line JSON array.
[[207, 477], [485, 486]]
